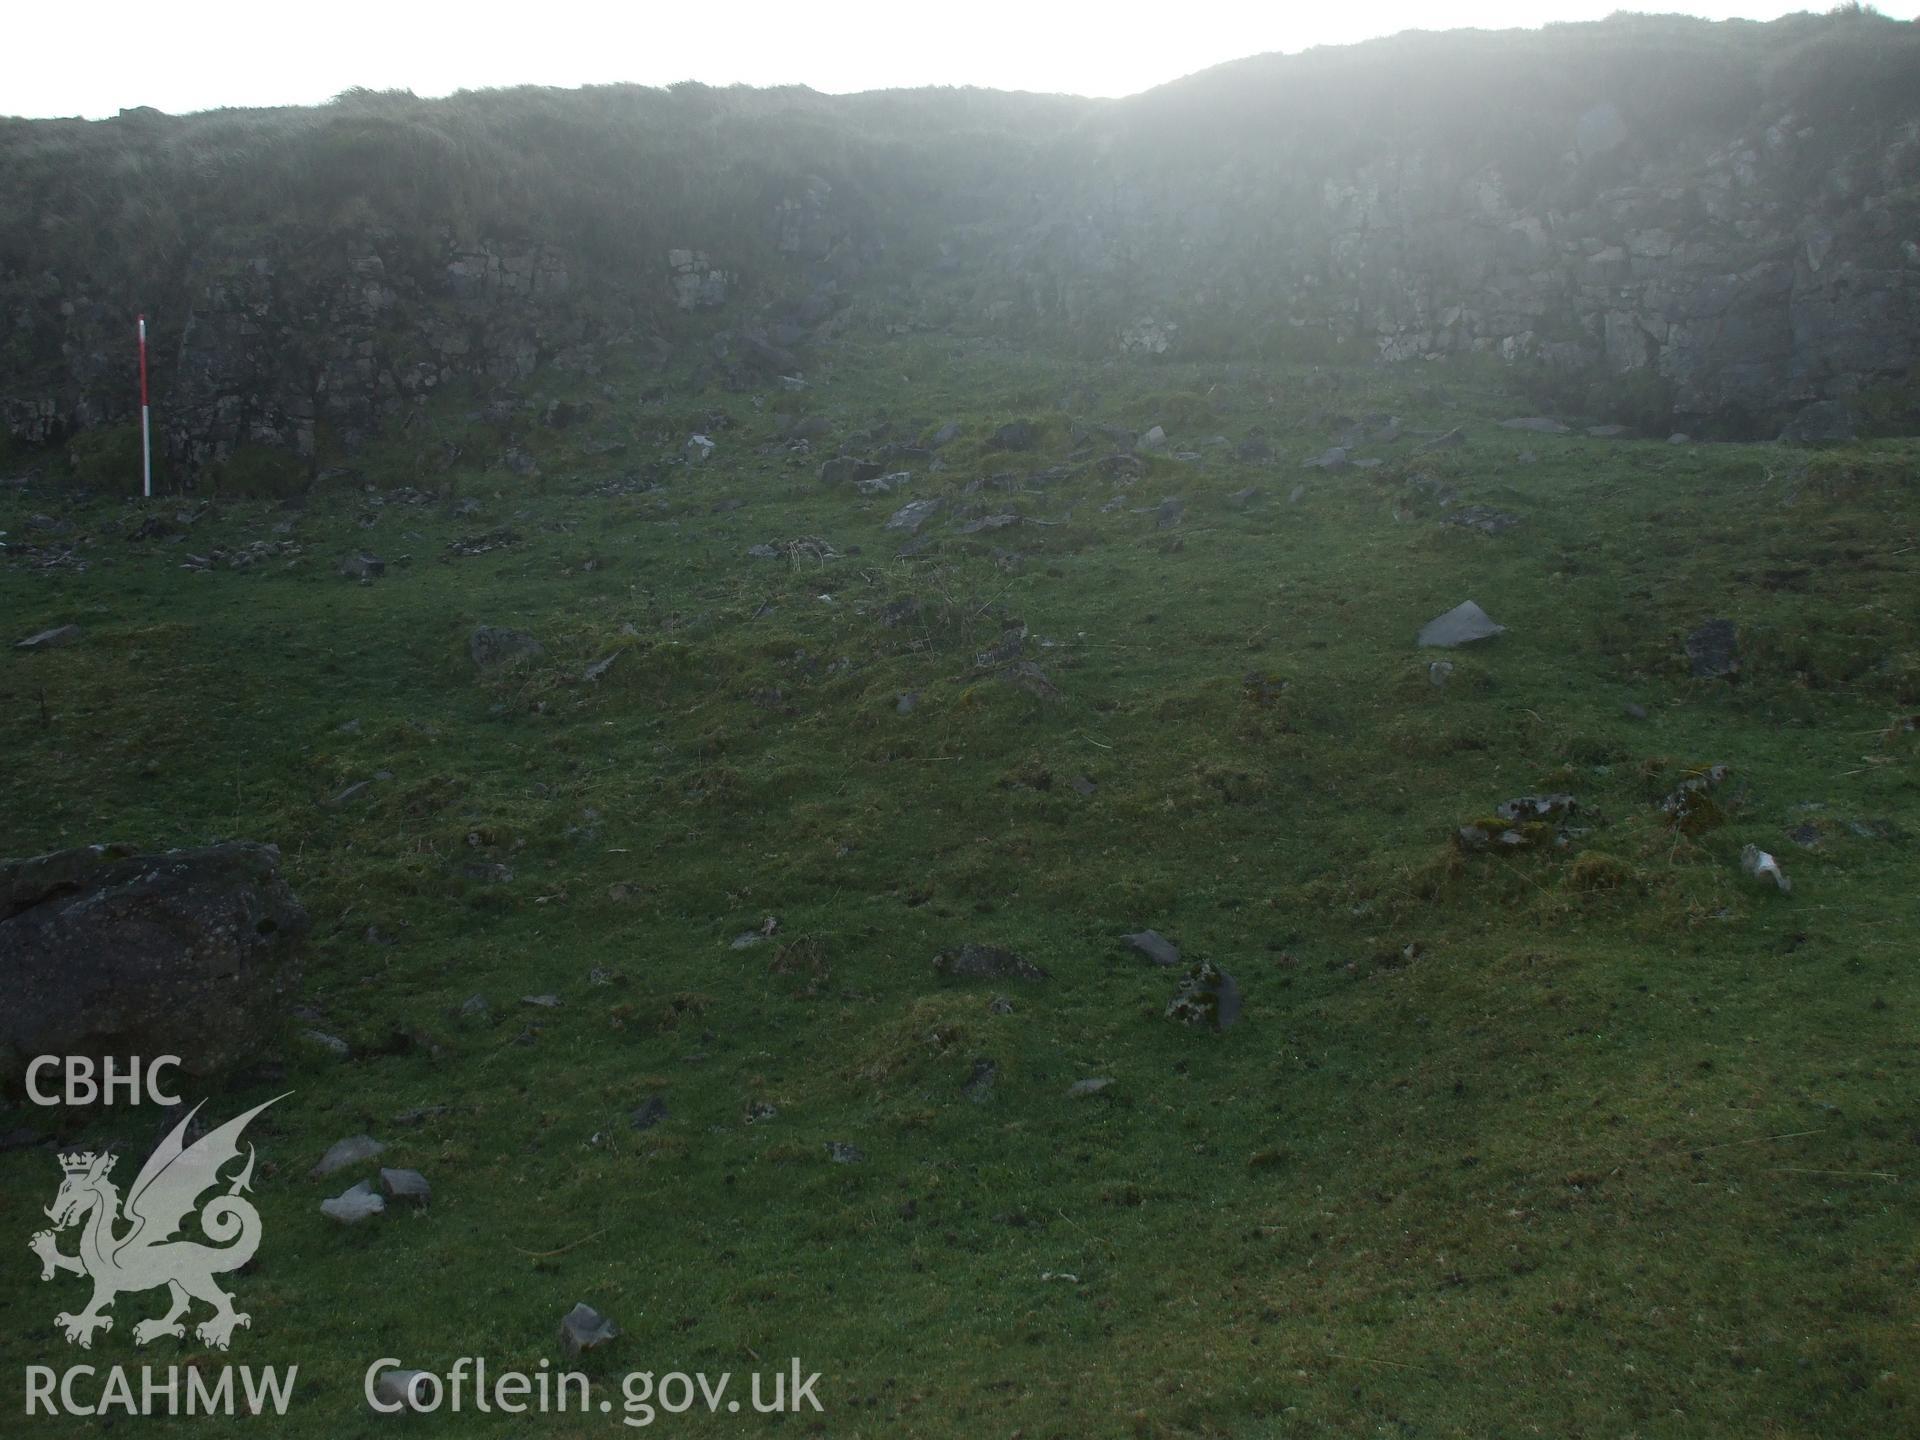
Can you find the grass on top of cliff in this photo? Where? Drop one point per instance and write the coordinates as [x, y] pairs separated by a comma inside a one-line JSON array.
[[1590, 1138]]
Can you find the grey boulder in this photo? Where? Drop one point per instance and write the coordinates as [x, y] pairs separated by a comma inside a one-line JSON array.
[[492, 645], [194, 953], [1155, 946], [343, 1153], [350, 1207], [1713, 651], [585, 1328]]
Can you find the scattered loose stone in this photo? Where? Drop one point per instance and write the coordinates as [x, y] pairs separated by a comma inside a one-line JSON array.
[[698, 448], [1084, 786], [1027, 676], [1012, 643], [1536, 807], [649, 1114], [841, 1153], [985, 962], [1439, 672], [362, 566], [1155, 946], [544, 1002], [1824, 422], [405, 1185], [909, 701], [1606, 432], [1538, 425], [1762, 866], [353, 792], [1207, 996], [1634, 710], [1154, 439], [1483, 518], [1093, 1085], [881, 484], [1243, 499], [585, 1328], [1334, 458], [1000, 1005], [981, 1080], [1017, 436], [986, 522], [50, 639], [912, 515], [1692, 808], [492, 645], [474, 1007], [492, 540], [1713, 651], [900, 612], [488, 872], [846, 469], [1462, 625], [1520, 824], [407, 1389], [342, 1153], [332, 1044], [352, 1206]]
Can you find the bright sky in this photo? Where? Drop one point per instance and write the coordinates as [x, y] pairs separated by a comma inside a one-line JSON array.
[[202, 54]]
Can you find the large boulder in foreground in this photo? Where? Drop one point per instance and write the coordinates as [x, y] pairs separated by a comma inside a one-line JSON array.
[[104, 952]]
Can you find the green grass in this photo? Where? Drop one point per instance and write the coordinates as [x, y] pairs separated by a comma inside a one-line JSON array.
[[1501, 1146]]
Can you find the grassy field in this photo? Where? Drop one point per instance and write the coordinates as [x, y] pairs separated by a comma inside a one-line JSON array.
[[1594, 1139]]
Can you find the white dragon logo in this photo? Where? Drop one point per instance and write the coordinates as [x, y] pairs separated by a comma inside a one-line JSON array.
[[146, 1256]]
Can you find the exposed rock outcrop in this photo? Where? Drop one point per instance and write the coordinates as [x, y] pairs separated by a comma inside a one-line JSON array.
[[104, 952], [1714, 225]]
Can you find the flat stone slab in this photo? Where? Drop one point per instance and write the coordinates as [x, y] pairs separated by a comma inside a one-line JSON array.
[[1713, 651], [406, 1185], [342, 1153], [50, 639], [352, 1206], [985, 962], [911, 516], [1155, 946], [1462, 625]]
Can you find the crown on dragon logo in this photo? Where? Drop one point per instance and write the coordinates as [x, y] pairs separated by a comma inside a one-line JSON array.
[[128, 1244]]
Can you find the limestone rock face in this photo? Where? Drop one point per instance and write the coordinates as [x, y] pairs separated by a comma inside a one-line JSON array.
[[696, 282], [194, 953], [1743, 264]]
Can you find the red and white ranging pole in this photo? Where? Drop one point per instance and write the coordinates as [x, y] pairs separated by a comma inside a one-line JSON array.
[[146, 431]]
